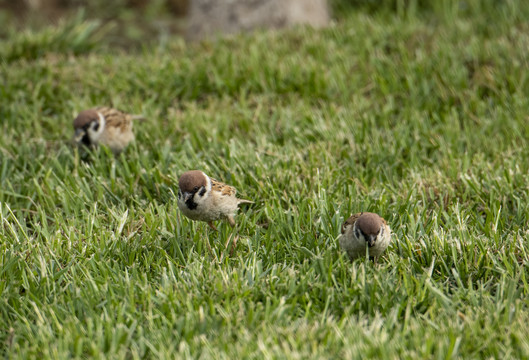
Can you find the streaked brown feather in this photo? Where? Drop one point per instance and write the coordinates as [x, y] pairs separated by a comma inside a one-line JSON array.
[[115, 118], [352, 219], [225, 190]]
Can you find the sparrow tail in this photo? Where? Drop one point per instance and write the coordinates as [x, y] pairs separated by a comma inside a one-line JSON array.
[[243, 201]]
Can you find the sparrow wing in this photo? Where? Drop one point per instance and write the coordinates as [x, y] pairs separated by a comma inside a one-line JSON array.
[[115, 118], [225, 190], [352, 219]]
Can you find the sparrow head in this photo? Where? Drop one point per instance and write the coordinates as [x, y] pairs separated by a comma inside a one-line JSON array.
[[369, 226], [88, 126], [192, 187]]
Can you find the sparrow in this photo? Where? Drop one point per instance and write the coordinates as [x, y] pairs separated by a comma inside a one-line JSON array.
[[363, 230], [206, 199], [105, 126]]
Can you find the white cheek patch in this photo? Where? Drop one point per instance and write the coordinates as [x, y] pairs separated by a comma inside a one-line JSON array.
[[96, 134], [357, 233], [208, 185], [197, 199]]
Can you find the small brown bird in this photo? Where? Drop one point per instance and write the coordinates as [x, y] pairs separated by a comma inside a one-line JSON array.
[[206, 199], [105, 126], [363, 230]]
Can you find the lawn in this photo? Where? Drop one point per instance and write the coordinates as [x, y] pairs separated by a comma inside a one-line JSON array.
[[420, 114]]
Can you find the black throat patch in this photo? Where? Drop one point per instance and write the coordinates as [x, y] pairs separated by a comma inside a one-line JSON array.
[[191, 205], [86, 140]]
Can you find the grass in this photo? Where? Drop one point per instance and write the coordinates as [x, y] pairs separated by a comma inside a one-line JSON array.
[[418, 114]]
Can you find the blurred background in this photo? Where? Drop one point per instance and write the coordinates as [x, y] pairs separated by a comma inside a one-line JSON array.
[[134, 23], [125, 22]]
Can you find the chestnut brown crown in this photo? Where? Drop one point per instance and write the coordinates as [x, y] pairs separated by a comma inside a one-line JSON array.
[[85, 117], [190, 180], [369, 223]]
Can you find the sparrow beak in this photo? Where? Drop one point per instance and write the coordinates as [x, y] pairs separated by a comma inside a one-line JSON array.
[[372, 240], [187, 196], [79, 134]]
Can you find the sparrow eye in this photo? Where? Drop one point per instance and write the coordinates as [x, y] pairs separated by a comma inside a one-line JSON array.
[[195, 189]]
